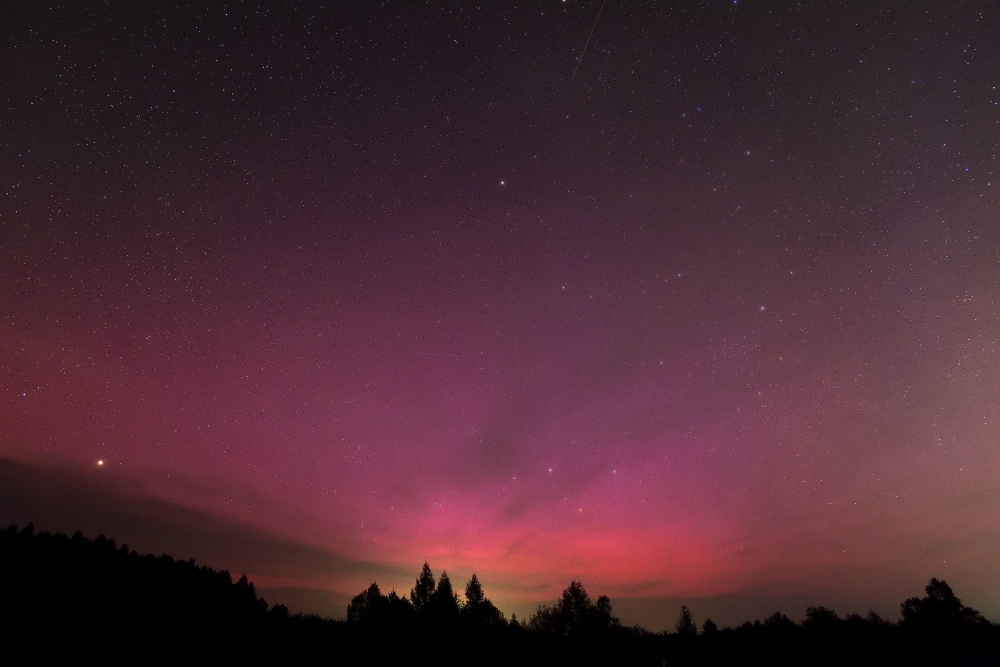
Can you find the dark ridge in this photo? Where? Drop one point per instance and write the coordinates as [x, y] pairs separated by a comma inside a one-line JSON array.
[[73, 596], [78, 598]]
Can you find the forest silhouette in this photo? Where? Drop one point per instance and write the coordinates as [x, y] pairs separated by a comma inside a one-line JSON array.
[[78, 598]]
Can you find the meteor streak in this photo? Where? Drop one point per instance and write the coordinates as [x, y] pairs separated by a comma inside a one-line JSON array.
[[587, 43]]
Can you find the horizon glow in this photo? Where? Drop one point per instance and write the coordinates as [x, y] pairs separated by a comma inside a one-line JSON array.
[[416, 297]]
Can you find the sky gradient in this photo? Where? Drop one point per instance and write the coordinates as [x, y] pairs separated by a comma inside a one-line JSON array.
[[715, 320]]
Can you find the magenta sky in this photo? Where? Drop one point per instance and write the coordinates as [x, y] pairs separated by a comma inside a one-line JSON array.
[[717, 320]]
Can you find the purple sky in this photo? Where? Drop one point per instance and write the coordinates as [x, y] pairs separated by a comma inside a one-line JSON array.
[[716, 321]]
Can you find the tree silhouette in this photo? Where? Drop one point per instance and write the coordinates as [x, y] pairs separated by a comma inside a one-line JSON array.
[[603, 617], [371, 609], [59, 593], [445, 591], [685, 623], [474, 592], [478, 609], [821, 619], [574, 614], [443, 605], [875, 620], [363, 604], [75, 589], [940, 608], [574, 607], [778, 623], [421, 593]]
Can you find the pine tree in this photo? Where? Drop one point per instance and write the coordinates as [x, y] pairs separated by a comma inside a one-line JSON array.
[[574, 614], [421, 594], [685, 624], [478, 609], [445, 598], [474, 595], [362, 603]]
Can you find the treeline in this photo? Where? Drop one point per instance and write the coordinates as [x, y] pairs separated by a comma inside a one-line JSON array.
[[934, 629], [70, 597]]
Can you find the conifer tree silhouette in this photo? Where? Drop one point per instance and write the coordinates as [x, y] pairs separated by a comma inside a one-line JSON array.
[[421, 593], [363, 604], [575, 614], [474, 592], [76, 588], [478, 609], [443, 604], [685, 624]]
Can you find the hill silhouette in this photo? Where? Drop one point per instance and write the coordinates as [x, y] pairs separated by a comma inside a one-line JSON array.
[[79, 598]]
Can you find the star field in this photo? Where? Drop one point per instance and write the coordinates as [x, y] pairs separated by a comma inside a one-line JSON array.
[[717, 315]]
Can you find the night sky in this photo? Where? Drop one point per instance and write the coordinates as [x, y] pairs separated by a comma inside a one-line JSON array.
[[714, 320]]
